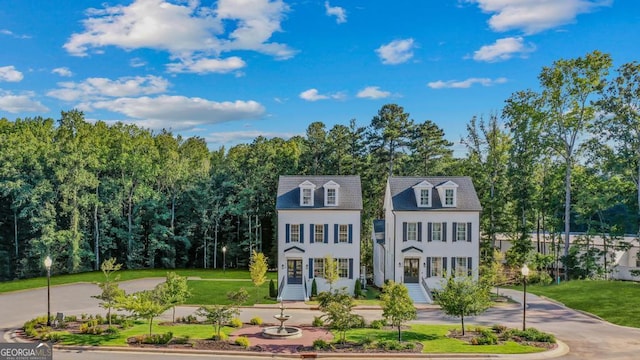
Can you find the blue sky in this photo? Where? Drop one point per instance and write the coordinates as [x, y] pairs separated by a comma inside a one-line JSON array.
[[231, 70]]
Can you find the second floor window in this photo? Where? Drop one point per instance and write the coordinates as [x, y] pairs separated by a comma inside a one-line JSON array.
[[448, 197], [436, 231], [424, 197], [461, 232], [294, 232], [306, 197], [318, 233], [343, 233], [412, 231], [331, 197]]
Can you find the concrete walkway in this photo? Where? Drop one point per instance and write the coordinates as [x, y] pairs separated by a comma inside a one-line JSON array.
[[587, 336]]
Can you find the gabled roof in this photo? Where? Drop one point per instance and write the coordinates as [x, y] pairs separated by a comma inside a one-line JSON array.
[[403, 197], [288, 197]]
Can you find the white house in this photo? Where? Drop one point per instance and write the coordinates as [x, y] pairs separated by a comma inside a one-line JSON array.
[[431, 228], [318, 216]]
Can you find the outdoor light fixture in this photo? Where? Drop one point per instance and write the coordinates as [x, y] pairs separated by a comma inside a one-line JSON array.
[[525, 273], [47, 265], [224, 259], [399, 264], [282, 266]]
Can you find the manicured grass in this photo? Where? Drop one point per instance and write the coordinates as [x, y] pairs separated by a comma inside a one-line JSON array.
[[209, 292], [97, 276], [141, 328], [615, 301], [435, 340]]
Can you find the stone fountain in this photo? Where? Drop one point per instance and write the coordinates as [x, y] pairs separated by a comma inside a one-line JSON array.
[[282, 332]]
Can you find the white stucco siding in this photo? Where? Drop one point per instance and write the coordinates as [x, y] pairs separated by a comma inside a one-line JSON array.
[[308, 250], [426, 249]]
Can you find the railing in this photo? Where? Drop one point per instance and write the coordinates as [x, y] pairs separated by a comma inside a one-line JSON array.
[[281, 287], [306, 293], [423, 282]]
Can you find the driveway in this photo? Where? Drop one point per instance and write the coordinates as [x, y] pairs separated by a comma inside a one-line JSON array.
[[587, 337]]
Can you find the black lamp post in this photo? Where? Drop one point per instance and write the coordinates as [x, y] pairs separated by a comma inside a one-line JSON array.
[[224, 259], [47, 265], [525, 273]]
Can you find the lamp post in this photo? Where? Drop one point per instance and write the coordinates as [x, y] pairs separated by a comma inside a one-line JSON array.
[[224, 259], [47, 265], [525, 273]]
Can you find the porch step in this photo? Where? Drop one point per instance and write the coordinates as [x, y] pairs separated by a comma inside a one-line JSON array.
[[417, 294], [293, 292]]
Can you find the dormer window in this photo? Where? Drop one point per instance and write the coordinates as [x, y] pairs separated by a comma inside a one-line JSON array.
[[448, 194], [306, 193], [422, 192], [331, 193]]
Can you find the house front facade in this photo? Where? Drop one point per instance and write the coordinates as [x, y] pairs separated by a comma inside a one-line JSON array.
[[431, 229], [318, 217]]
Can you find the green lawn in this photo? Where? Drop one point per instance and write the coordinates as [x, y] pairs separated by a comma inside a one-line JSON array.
[[435, 340], [615, 301], [97, 276], [209, 292]]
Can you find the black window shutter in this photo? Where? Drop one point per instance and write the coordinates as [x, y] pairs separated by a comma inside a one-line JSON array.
[[455, 232], [350, 268], [444, 231], [287, 228], [470, 265], [453, 265], [429, 229], [301, 233], [404, 231], [428, 267], [326, 233], [469, 232], [310, 268], [444, 264], [350, 233], [312, 233], [420, 231], [336, 232]]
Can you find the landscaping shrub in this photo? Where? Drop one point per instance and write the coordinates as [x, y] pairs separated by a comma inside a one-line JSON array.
[[236, 323], [486, 337], [273, 291], [158, 339], [70, 318], [359, 322], [242, 341], [314, 288], [377, 324], [256, 321], [112, 331], [498, 329], [53, 336], [366, 341], [317, 321], [222, 337], [91, 327], [180, 340], [357, 290], [531, 334], [320, 344], [390, 345]]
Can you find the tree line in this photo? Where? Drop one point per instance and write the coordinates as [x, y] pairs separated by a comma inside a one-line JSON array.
[[566, 156]]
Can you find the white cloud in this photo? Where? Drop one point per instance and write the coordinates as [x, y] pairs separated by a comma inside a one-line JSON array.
[[454, 84], [396, 52], [204, 65], [337, 11], [236, 137], [179, 112], [184, 29], [11, 33], [314, 95], [99, 88], [10, 74], [137, 62], [62, 71], [373, 92], [24, 102], [503, 49], [533, 16]]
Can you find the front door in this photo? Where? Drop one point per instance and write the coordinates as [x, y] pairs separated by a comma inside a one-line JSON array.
[[294, 271], [411, 270]]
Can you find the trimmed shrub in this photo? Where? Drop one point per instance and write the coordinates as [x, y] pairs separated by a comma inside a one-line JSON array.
[[70, 318], [359, 322], [256, 321], [366, 341], [377, 324], [236, 323], [320, 344], [357, 290], [273, 291], [531, 334], [222, 337], [486, 337], [317, 321], [158, 339], [242, 341], [314, 288]]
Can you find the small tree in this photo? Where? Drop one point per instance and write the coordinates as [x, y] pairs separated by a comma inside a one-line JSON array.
[[218, 315], [110, 289], [143, 304], [357, 289], [397, 306], [314, 288], [493, 273], [273, 291], [463, 296], [331, 274], [174, 291], [258, 269], [238, 297], [338, 307]]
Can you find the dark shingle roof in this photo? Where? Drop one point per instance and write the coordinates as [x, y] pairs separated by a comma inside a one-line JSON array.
[[403, 197], [349, 196]]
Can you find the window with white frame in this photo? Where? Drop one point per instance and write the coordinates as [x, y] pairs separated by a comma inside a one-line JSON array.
[[307, 197], [343, 268], [294, 232], [461, 266], [436, 231], [412, 231], [331, 193], [422, 192], [425, 199], [343, 233], [318, 234], [461, 232], [437, 269], [318, 267], [331, 196], [447, 192], [449, 196]]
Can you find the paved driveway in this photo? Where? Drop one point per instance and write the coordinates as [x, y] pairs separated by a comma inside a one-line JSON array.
[[587, 337]]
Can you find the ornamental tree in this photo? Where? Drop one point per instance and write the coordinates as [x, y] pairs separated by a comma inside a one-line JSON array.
[[397, 306]]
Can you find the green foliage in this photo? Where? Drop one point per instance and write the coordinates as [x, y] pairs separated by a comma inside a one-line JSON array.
[[174, 291], [110, 289], [377, 324], [486, 337], [397, 306], [330, 274], [238, 297], [258, 268], [463, 296], [317, 321], [530, 334], [273, 290], [255, 321], [220, 336], [320, 344], [314, 288], [235, 322], [218, 315], [357, 289], [143, 304], [337, 308], [242, 341]]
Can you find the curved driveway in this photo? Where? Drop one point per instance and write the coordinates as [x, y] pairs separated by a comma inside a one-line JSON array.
[[587, 337]]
